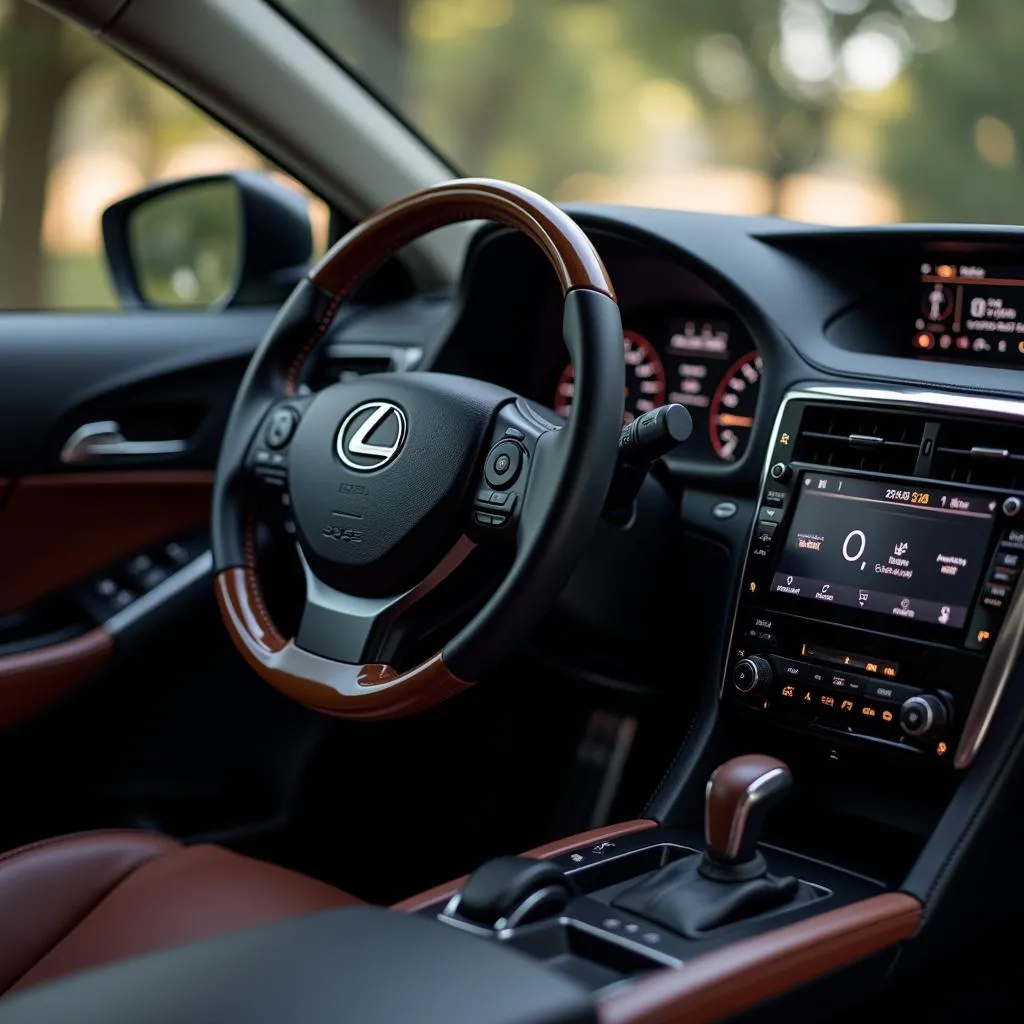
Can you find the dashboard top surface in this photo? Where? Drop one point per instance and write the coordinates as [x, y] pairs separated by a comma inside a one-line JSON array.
[[725, 314]]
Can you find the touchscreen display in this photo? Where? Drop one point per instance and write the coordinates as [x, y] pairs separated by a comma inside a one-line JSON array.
[[909, 553], [971, 311]]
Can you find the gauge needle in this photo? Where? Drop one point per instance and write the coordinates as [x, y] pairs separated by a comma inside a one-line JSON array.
[[727, 419]]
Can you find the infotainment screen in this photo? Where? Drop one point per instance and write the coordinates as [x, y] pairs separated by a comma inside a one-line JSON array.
[[907, 552], [972, 311]]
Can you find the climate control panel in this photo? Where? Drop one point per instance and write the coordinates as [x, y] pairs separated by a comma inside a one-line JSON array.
[[846, 693]]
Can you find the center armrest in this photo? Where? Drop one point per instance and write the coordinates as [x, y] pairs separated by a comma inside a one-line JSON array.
[[362, 964]]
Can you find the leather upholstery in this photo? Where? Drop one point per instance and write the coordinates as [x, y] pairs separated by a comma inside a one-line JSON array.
[[80, 901]]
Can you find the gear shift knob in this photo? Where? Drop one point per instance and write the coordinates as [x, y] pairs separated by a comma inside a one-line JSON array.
[[739, 796]]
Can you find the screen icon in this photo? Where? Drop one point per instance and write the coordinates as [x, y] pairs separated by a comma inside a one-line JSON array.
[[944, 613], [938, 303], [862, 598], [788, 691]]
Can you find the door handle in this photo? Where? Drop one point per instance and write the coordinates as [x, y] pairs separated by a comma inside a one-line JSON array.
[[94, 442]]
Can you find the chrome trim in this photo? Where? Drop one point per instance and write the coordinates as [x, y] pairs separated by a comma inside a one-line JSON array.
[[94, 442], [401, 357], [774, 781], [929, 717], [171, 587], [535, 899], [1007, 648], [358, 444]]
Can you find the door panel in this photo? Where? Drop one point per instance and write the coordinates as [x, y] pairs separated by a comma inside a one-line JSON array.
[[60, 370], [56, 529], [32, 680], [66, 528]]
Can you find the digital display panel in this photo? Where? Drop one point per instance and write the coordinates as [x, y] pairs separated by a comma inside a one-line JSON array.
[[908, 552], [970, 311]]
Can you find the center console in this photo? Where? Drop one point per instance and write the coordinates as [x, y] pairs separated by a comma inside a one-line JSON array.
[[879, 601]]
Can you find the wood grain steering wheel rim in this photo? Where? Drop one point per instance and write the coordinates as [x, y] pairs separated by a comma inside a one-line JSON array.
[[572, 465]]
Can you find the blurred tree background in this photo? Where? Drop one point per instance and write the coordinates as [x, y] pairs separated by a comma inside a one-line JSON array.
[[834, 111]]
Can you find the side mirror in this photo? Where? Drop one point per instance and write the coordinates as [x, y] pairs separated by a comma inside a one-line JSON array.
[[207, 242]]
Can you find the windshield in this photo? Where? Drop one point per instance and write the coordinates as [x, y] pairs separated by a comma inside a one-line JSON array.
[[832, 111]]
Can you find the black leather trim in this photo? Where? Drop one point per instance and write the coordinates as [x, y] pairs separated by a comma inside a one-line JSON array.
[[578, 470], [365, 964], [262, 385]]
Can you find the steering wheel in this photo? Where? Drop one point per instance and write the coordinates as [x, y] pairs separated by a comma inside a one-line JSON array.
[[392, 479]]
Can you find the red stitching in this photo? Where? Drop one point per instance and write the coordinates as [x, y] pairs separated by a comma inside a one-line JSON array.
[[292, 379], [252, 581]]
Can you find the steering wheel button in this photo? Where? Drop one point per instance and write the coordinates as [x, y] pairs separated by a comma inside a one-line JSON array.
[[280, 428], [503, 464]]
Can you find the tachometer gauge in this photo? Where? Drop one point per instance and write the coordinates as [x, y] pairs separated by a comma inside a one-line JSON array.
[[731, 413], [645, 379]]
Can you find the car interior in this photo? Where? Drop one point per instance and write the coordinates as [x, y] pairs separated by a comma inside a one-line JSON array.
[[497, 610]]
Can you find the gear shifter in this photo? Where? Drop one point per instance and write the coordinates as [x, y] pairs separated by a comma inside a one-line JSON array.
[[739, 795], [729, 881]]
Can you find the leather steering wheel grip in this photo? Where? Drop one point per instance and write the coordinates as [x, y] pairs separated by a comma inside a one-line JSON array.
[[582, 473]]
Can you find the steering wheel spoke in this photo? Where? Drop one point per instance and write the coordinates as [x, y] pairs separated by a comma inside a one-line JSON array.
[[359, 630]]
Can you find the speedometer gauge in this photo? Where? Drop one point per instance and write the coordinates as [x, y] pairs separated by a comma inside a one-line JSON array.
[[645, 379], [731, 414]]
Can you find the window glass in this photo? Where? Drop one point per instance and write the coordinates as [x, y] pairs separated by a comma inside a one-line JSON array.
[[833, 111], [80, 128]]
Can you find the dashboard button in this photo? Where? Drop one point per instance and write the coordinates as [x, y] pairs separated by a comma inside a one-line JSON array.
[[1007, 560], [1011, 506], [1013, 540], [1005, 576], [774, 498], [995, 596], [770, 515], [842, 681], [791, 671], [882, 689], [764, 532], [725, 510], [780, 471]]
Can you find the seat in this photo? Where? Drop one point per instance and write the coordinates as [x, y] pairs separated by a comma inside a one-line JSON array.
[[92, 898]]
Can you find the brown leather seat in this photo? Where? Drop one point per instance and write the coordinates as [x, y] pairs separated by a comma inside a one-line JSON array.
[[88, 899]]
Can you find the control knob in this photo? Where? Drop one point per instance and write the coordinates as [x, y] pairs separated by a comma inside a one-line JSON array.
[[752, 675], [923, 716]]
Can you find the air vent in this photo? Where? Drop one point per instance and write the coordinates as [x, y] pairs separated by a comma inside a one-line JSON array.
[[985, 454], [344, 361], [860, 437]]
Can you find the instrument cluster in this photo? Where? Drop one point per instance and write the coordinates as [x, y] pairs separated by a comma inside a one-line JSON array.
[[703, 359]]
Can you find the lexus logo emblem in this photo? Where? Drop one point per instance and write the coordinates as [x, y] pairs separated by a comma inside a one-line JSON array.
[[371, 436]]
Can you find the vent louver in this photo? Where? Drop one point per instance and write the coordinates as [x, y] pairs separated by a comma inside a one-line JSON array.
[[861, 438], [987, 454], [344, 361]]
